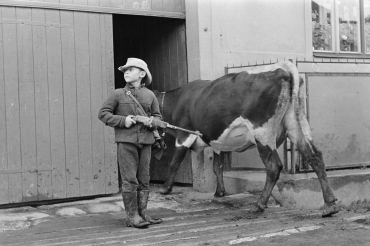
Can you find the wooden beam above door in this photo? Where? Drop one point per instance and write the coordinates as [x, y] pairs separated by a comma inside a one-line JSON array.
[[158, 8]]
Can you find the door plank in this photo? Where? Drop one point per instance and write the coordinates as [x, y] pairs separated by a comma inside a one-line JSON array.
[[3, 149], [166, 60], [12, 103], [70, 105], [83, 102], [97, 130], [56, 103], [102, 95], [4, 179], [43, 157], [110, 158], [182, 58], [173, 56], [161, 60], [27, 104]]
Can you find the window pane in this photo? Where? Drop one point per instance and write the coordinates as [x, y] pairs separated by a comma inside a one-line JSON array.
[[322, 31], [349, 25], [367, 24]]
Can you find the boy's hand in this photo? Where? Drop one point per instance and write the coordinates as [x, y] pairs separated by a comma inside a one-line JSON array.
[[148, 123], [129, 121]]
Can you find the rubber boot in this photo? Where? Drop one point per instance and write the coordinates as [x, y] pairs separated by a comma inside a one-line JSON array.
[[131, 208], [143, 197]]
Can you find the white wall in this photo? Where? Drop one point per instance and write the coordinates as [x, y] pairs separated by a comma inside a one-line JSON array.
[[223, 33]]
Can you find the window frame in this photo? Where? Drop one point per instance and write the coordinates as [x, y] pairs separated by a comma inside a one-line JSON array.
[[340, 54]]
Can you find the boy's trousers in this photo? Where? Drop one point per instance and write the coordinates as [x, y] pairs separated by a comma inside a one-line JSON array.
[[134, 164]]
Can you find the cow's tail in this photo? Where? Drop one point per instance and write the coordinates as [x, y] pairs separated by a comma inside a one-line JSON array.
[[303, 132], [293, 70]]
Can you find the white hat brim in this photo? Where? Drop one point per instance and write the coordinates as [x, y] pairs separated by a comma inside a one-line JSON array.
[[147, 79]]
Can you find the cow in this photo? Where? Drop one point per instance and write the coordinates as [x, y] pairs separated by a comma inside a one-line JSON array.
[[238, 111]]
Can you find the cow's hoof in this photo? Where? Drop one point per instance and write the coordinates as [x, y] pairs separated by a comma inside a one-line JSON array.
[[257, 208], [165, 191], [220, 193], [330, 210]]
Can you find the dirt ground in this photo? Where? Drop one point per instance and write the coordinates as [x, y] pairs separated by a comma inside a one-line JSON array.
[[189, 218]]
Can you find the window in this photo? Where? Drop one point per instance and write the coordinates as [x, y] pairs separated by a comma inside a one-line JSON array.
[[341, 26]]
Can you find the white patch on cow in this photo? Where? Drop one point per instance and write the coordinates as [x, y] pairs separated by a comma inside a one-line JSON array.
[[238, 137], [189, 141], [267, 133], [194, 143], [267, 68], [242, 135], [199, 145], [216, 151]]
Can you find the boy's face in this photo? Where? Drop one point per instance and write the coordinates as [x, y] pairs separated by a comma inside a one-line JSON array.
[[133, 74]]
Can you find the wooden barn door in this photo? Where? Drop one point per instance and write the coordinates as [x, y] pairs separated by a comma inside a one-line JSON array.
[[56, 69]]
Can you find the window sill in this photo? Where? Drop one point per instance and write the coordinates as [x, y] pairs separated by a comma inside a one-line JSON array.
[[340, 56]]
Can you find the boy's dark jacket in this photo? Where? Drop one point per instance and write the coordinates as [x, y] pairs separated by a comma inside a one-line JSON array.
[[119, 105]]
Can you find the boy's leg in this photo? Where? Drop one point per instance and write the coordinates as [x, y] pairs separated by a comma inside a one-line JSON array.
[[128, 161], [143, 171], [143, 177]]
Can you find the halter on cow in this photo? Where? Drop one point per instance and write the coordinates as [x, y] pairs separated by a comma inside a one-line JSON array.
[[239, 111]]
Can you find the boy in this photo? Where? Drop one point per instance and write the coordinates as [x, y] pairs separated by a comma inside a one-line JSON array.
[[134, 140]]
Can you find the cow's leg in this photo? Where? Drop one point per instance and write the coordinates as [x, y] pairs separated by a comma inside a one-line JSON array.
[[302, 138], [314, 158], [178, 157], [218, 169], [274, 166]]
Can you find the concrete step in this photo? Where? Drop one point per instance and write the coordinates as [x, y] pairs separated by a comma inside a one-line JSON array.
[[303, 190]]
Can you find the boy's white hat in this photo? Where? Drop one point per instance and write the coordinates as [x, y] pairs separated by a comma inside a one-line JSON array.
[[136, 62]]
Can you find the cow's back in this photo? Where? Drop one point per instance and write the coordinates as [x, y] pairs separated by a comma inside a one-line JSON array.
[[251, 96]]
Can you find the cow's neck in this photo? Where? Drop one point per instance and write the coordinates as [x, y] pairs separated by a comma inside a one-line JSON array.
[[166, 102]]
